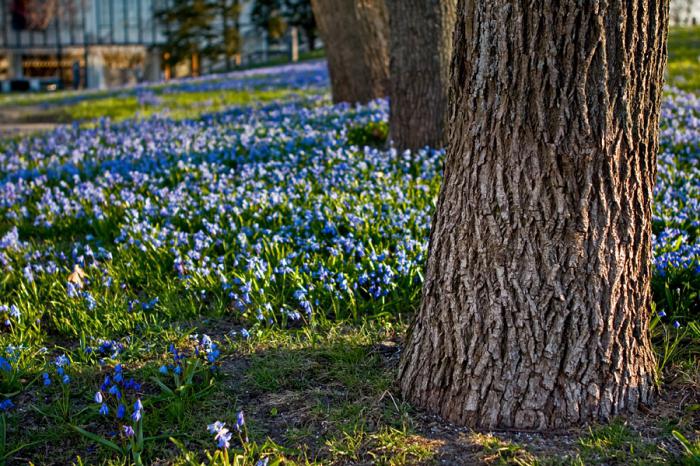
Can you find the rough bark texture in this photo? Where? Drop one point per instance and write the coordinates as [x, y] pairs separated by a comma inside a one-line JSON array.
[[420, 52], [537, 292], [355, 34]]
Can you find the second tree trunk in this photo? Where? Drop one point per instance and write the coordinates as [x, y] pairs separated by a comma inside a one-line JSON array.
[[420, 52], [355, 35]]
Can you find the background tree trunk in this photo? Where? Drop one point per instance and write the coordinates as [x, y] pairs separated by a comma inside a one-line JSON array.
[[355, 34], [420, 51], [310, 34], [536, 300]]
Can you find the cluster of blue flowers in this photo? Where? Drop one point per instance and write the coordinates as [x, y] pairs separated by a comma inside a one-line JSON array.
[[223, 435], [677, 192], [60, 364], [6, 404], [270, 207], [204, 350], [114, 395], [9, 314], [106, 348]]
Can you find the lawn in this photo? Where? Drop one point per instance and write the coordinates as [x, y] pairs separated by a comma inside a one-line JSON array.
[[240, 250], [684, 58], [177, 99]]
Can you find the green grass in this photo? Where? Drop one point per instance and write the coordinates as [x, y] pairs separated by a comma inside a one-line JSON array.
[[322, 395], [177, 106], [617, 442], [684, 58], [328, 389]]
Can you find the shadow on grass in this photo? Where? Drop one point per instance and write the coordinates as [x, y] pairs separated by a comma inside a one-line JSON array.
[[328, 396], [334, 401]]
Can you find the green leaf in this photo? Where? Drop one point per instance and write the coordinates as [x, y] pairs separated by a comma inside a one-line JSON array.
[[98, 439], [21, 447], [162, 386]]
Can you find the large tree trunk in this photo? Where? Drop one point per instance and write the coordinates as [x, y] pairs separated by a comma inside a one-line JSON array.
[[420, 51], [537, 292], [355, 34]]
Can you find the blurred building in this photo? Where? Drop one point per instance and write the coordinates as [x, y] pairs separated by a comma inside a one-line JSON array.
[[49, 44], [78, 43], [684, 12]]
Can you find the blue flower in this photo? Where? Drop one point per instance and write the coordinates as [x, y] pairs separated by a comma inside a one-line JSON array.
[[90, 300], [131, 384], [6, 405], [72, 290], [215, 427], [5, 365], [213, 356], [47, 379], [163, 369], [240, 421], [128, 431], [138, 410], [62, 361], [98, 397], [104, 409], [114, 390], [107, 382], [121, 411], [676, 324], [223, 437]]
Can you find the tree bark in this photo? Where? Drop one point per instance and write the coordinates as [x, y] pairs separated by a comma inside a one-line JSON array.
[[420, 52], [536, 298], [355, 34]]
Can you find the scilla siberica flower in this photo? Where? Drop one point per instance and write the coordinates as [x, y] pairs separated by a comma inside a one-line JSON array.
[[240, 421], [114, 390], [221, 434], [224, 438], [138, 411], [121, 411], [5, 365], [215, 427], [6, 405]]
